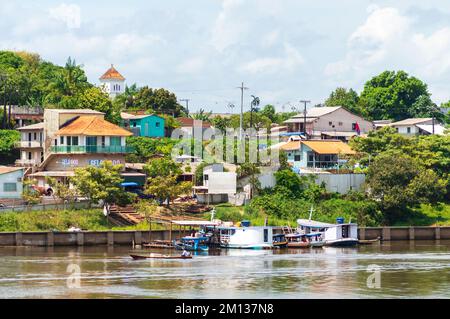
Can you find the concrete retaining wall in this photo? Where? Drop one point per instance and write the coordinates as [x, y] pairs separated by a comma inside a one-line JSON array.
[[404, 233], [93, 238]]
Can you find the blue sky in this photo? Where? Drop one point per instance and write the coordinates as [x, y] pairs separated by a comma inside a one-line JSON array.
[[284, 50]]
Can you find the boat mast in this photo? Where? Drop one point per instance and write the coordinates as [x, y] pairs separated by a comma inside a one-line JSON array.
[[311, 210]]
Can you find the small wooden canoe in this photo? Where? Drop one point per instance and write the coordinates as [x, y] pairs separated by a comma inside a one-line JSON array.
[[141, 257], [369, 241]]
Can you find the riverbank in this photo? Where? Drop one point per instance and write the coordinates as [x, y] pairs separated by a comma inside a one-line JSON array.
[[131, 238], [94, 220]]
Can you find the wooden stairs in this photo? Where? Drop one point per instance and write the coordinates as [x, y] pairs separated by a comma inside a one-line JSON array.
[[124, 216]]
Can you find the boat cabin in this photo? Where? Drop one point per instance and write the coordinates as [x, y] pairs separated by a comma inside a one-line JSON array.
[[332, 234], [246, 237]]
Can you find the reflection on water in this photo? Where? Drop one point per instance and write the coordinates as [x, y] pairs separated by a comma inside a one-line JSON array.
[[419, 269]]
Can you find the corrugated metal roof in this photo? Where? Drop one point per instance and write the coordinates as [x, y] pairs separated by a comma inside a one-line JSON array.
[[75, 111], [9, 169], [319, 111], [412, 121], [93, 126], [37, 126], [329, 147]]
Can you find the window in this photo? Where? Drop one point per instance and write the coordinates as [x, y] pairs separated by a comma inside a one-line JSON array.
[[353, 126], [266, 235], [206, 177], [75, 140], [35, 136], [103, 141], [30, 156], [408, 130], [10, 187], [330, 123], [158, 124], [61, 140], [340, 123], [297, 158]]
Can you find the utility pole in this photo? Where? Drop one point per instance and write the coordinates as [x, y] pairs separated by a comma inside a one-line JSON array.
[[4, 78], [305, 102], [242, 88], [187, 104]]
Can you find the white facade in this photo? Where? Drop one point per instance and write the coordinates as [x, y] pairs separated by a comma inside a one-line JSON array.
[[113, 87], [246, 237]]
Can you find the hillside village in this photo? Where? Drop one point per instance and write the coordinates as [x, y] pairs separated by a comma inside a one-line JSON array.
[[110, 146]]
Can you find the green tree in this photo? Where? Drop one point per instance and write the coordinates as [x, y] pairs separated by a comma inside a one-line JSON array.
[[167, 188], [269, 112], [29, 194], [391, 95], [398, 181], [347, 98], [101, 183], [221, 123], [163, 167]]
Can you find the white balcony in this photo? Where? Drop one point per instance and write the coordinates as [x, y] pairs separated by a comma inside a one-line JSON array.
[[27, 162], [29, 144]]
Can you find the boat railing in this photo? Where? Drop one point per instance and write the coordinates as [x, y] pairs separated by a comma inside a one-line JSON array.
[[224, 238]]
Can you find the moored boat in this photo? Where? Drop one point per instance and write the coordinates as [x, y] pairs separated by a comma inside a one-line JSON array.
[[340, 234], [297, 241], [192, 243], [369, 241], [279, 241], [158, 256], [246, 237]]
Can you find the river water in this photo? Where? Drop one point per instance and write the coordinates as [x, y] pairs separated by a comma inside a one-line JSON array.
[[418, 269]]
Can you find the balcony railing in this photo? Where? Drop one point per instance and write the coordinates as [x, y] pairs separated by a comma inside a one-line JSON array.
[[29, 144], [91, 149], [27, 162]]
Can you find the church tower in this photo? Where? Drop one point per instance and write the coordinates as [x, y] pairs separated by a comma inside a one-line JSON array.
[[113, 82]]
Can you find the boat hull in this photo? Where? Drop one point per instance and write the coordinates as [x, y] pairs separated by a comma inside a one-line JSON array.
[[141, 257], [346, 242], [298, 245], [237, 246]]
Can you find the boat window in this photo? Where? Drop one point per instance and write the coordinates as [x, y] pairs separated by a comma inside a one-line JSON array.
[[266, 235]]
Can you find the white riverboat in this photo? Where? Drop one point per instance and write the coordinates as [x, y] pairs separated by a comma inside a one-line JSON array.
[[246, 237], [340, 234]]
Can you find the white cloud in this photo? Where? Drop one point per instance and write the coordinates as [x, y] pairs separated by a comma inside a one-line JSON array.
[[389, 40], [191, 65], [228, 27], [70, 14], [289, 62]]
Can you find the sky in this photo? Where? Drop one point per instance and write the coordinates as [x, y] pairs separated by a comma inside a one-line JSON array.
[[284, 51]]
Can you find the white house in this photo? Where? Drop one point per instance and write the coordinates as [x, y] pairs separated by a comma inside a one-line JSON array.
[[217, 185], [418, 126], [11, 182], [329, 123], [112, 82]]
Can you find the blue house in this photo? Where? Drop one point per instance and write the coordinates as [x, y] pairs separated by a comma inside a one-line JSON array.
[[11, 182], [315, 154], [149, 125]]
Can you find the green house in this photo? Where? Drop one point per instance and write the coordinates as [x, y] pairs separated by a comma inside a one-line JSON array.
[[149, 125]]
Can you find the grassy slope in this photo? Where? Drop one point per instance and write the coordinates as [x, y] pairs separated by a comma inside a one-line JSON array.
[[426, 215]]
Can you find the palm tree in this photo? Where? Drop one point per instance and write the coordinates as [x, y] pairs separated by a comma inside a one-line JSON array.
[[253, 107], [202, 115]]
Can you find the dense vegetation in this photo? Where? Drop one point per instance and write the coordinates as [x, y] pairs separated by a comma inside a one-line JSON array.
[[390, 95]]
